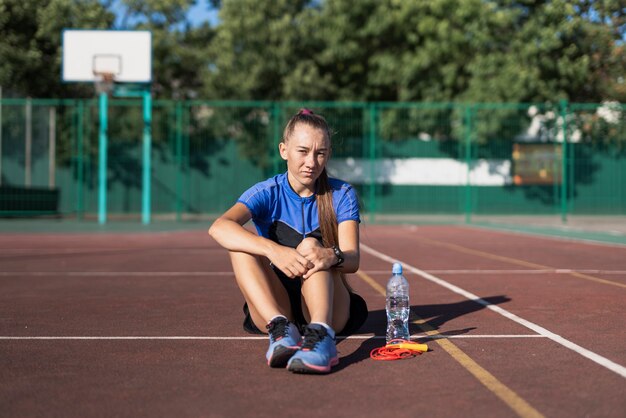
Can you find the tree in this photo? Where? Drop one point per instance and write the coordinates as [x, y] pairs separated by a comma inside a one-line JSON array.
[[369, 50], [256, 46], [551, 50], [410, 50], [605, 42], [30, 43], [179, 51]]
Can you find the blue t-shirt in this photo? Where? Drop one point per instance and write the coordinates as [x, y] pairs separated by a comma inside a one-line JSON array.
[[283, 216]]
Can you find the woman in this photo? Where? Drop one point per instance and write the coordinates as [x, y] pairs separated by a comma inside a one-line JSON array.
[[292, 273]]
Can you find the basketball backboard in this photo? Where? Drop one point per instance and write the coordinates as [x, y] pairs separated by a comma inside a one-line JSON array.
[[87, 54]]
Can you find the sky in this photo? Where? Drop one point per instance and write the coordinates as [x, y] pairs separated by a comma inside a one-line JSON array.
[[200, 13], [197, 14]]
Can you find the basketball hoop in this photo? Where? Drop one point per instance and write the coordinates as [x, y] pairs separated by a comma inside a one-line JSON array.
[[104, 82]]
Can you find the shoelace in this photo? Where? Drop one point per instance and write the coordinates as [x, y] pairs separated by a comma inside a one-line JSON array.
[[278, 328], [313, 336]]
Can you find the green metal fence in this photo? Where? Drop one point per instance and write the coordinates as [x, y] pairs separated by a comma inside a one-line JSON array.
[[403, 158]]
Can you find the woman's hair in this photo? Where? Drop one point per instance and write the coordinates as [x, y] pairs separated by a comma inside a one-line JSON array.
[[324, 195]]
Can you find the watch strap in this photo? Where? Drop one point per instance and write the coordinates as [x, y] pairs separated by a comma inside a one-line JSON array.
[[339, 255]]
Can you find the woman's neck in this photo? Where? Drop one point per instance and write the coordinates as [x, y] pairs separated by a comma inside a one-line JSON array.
[[300, 189]]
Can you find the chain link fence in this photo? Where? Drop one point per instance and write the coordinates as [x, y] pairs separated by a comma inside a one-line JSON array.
[[403, 158]]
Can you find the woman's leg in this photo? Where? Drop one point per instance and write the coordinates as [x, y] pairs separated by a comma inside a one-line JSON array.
[[325, 298], [261, 288]]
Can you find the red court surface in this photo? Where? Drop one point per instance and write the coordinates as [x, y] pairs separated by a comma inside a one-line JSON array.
[[149, 324]]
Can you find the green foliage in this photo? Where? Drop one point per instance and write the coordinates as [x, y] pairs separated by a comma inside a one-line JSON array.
[[436, 51], [30, 43], [255, 48], [179, 51], [161, 13], [440, 50], [368, 50]]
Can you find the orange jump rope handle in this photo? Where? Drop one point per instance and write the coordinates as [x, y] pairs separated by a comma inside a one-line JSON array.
[[408, 346]]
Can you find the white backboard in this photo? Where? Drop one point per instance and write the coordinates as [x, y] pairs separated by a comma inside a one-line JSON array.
[[127, 54]]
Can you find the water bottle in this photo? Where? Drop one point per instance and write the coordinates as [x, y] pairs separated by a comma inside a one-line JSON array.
[[397, 305]]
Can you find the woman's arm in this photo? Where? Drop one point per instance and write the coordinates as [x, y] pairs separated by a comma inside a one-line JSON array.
[[349, 245], [325, 258], [229, 232]]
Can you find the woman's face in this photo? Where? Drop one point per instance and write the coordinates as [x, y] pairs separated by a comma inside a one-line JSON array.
[[306, 151]]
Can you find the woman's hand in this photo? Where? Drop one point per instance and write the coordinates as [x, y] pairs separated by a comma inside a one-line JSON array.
[[320, 257], [290, 261]]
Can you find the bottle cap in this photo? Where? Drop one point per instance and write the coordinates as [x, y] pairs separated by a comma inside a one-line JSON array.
[[397, 268]]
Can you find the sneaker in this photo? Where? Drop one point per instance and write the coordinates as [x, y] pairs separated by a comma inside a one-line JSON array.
[[317, 354], [284, 341]]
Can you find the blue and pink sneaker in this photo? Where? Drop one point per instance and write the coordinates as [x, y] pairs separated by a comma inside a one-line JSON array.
[[285, 340], [318, 353]]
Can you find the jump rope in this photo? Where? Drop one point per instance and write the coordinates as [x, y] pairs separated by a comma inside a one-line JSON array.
[[398, 350]]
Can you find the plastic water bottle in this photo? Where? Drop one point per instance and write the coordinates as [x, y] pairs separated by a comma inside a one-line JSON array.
[[397, 306]]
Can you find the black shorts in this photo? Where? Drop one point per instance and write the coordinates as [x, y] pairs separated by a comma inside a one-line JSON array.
[[358, 308]]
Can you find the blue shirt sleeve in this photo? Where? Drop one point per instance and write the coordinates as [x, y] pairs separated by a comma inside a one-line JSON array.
[[257, 200], [348, 206]]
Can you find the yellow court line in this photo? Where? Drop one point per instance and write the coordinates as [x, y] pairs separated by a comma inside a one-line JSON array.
[[368, 279], [511, 260], [510, 398]]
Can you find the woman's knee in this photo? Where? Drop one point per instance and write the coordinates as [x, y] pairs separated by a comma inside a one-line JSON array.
[[250, 266], [308, 243], [261, 288]]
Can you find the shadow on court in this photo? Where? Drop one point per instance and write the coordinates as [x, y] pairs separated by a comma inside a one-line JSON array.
[[434, 315]]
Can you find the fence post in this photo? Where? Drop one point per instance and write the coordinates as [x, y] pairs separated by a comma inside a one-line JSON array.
[[28, 142], [179, 159], [564, 110], [0, 135], [79, 158], [468, 161], [373, 111], [52, 140], [186, 156], [275, 115]]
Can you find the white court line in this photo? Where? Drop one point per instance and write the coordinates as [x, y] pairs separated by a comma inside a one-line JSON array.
[[230, 273], [263, 337], [83, 249], [519, 271], [116, 273], [603, 361], [88, 251]]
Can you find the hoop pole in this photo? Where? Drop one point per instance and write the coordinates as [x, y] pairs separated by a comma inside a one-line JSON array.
[[102, 153], [147, 147]]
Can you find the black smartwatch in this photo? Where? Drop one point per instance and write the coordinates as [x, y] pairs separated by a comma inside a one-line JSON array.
[[339, 255]]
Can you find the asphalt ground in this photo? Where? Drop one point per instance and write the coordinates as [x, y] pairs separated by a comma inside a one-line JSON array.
[[126, 323]]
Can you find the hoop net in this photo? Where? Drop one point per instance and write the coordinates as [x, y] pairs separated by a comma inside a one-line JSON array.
[[104, 82]]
